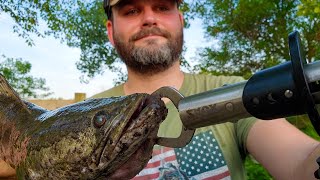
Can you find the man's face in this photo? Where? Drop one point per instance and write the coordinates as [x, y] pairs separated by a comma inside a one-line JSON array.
[[147, 34]]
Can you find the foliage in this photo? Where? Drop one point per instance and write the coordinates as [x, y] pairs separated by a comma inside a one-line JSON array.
[[16, 73], [27, 15], [309, 8], [304, 124], [80, 24], [253, 34], [255, 170]]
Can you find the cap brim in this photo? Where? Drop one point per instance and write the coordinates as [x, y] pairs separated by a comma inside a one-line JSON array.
[[114, 2]]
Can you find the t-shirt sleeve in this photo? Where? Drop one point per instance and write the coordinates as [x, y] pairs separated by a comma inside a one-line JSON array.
[[242, 128], [115, 91]]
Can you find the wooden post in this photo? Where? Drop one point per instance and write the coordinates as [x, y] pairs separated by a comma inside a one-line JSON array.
[[79, 97]]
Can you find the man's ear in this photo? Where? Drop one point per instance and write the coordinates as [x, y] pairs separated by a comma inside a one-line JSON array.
[[110, 31], [181, 19]]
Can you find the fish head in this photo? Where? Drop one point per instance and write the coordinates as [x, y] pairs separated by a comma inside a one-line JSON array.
[[130, 123], [92, 138]]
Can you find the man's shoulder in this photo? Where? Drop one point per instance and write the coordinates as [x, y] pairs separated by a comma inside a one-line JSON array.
[[196, 83], [213, 78], [115, 91]]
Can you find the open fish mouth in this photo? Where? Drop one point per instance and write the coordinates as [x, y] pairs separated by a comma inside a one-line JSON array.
[[141, 123]]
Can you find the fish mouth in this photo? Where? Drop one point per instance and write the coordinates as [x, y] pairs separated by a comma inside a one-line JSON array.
[[142, 122]]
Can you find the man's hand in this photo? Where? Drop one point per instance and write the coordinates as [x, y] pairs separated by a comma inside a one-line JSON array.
[[136, 162]]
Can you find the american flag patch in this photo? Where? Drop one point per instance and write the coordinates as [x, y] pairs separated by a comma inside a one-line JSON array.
[[200, 159]]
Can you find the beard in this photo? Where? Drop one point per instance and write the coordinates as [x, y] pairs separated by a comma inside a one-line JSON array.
[[151, 58]]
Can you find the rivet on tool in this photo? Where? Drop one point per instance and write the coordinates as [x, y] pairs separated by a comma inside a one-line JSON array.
[[229, 106], [271, 99], [255, 100], [288, 94]]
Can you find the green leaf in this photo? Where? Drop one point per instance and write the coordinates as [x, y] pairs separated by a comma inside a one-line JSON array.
[[16, 71]]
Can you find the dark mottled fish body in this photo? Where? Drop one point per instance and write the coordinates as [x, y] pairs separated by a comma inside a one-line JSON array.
[[86, 140]]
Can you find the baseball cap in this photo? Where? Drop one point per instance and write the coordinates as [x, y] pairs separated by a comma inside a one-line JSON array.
[[107, 4]]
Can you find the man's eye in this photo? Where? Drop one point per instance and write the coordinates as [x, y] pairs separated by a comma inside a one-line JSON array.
[[163, 8], [132, 12]]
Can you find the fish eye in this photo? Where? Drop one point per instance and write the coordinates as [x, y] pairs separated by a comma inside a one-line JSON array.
[[100, 119]]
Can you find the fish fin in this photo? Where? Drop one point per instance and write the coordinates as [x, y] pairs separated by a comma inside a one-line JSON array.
[[35, 109], [8, 91]]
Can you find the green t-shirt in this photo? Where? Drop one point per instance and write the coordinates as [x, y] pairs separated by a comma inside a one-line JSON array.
[[216, 151]]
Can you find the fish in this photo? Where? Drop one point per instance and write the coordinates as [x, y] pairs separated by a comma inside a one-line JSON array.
[[85, 140]]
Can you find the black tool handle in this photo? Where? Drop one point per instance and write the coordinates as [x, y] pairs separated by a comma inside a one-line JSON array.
[[283, 90]]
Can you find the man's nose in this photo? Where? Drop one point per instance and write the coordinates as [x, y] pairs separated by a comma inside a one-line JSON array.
[[149, 17]]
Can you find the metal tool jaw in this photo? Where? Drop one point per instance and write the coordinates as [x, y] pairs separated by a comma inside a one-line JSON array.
[[186, 134]]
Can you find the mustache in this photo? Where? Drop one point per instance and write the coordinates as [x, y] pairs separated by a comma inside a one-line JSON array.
[[150, 31]]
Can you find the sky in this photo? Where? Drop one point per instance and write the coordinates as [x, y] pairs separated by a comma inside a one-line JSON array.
[[55, 62]]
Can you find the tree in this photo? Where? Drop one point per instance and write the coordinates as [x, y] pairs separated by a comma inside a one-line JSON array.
[[253, 34], [309, 13], [79, 24], [309, 8], [16, 73], [26, 15]]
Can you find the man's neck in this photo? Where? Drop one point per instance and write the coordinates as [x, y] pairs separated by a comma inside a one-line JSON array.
[[139, 83]]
